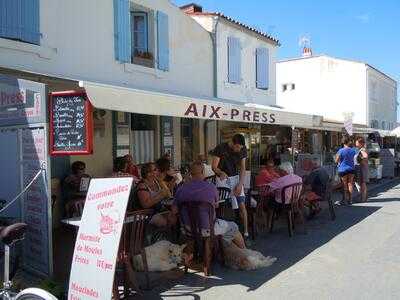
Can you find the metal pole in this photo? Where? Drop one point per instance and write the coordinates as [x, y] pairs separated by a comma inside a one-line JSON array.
[[293, 128]]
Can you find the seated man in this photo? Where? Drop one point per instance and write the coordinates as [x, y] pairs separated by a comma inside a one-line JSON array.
[[76, 186], [198, 190], [317, 181]]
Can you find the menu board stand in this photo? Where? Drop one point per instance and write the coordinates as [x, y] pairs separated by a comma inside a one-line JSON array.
[[71, 123]]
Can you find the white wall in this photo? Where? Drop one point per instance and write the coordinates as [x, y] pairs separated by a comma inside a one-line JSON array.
[[246, 91], [382, 98], [324, 86], [78, 43]]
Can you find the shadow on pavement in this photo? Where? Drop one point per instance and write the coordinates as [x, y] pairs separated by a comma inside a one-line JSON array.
[[289, 251]]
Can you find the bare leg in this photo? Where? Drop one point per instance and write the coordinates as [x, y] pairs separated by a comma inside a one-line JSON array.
[[364, 195], [345, 187], [243, 217], [350, 184], [239, 241]]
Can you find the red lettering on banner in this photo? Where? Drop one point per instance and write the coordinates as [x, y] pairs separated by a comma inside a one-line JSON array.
[[74, 297], [81, 260], [107, 193], [105, 205], [84, 290], [192, 109], [89, 238], [104, 265]]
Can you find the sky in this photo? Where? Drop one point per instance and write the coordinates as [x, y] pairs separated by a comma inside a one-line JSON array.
[[362, 30]]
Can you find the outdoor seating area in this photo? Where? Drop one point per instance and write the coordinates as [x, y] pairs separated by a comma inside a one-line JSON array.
[[155, 215]]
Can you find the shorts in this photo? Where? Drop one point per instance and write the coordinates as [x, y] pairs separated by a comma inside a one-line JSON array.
[[228, 230], [231, 183], [348, 172]]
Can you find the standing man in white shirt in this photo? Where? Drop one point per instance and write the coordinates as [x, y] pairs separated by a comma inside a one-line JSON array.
[[229, 164]]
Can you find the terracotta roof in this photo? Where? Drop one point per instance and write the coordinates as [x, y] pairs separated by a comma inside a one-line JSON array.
[[229, 19]]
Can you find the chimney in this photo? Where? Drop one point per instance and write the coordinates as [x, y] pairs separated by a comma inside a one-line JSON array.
[[307, 52], [191, 8]]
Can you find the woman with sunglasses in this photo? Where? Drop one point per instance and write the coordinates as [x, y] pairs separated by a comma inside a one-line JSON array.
[[150, 194]]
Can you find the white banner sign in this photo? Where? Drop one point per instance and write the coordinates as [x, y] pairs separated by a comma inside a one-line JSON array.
[[97, 242], [348, 123]]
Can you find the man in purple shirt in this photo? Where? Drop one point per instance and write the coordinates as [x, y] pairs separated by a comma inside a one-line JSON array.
[[198, 190]]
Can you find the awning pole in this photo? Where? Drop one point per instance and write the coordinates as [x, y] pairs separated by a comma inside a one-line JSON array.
[[293, 128]]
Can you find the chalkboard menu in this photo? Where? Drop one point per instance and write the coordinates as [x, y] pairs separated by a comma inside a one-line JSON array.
[[71, 124]]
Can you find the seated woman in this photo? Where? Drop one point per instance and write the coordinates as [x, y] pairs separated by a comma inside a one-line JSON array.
[[76, 186], [150, 193], [165, 174], [120, 167], [267, 173], [131, 168]]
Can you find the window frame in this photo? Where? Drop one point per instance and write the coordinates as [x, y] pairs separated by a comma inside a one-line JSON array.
[[146, 31]]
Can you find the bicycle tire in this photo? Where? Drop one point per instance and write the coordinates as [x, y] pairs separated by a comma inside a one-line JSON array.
[[34, 294]]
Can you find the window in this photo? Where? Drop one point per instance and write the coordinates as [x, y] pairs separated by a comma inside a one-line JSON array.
[[139, 33], [288, 87], [262, 68], [383, 125], [20, 20], [234, 60]]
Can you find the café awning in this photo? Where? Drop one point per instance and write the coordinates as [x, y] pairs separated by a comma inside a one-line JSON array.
[[155, 103]]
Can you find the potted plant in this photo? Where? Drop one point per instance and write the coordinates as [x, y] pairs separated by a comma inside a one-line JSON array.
[[144, 58]]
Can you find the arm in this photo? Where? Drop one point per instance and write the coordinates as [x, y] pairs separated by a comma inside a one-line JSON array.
[[242, 174], [217, 171], [146, 201]]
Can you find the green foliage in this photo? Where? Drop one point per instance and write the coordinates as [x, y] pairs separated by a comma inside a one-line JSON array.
[[52, 287]]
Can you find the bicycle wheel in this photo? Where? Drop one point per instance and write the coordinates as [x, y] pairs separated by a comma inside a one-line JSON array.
[[34, 294]]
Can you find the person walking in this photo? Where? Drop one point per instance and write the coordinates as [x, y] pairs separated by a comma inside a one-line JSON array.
[[362, 171], [229, 164], [345, 161]]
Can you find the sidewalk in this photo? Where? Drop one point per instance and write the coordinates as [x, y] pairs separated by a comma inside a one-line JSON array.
[[297, 258]]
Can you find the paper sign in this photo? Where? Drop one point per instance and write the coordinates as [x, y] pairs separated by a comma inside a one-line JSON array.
[[97, 242]]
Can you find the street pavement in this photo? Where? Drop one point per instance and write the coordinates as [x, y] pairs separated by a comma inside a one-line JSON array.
[[355, 257]]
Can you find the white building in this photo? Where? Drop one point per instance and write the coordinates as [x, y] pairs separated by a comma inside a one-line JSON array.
[[332, 87], [244, 58], [147, 45]]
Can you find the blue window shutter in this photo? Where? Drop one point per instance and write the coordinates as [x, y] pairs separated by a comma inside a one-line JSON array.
[[30, 25], [122, 31], [262, 66], [162, 41], [234, 60], [10, 19]]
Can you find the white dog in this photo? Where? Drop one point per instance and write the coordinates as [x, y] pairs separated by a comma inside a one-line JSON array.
[[161, 256]]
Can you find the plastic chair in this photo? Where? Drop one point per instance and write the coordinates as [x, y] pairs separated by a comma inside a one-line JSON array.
[[203, 238], [224, 196], [211, 179], [290, 197], [327, 196]]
